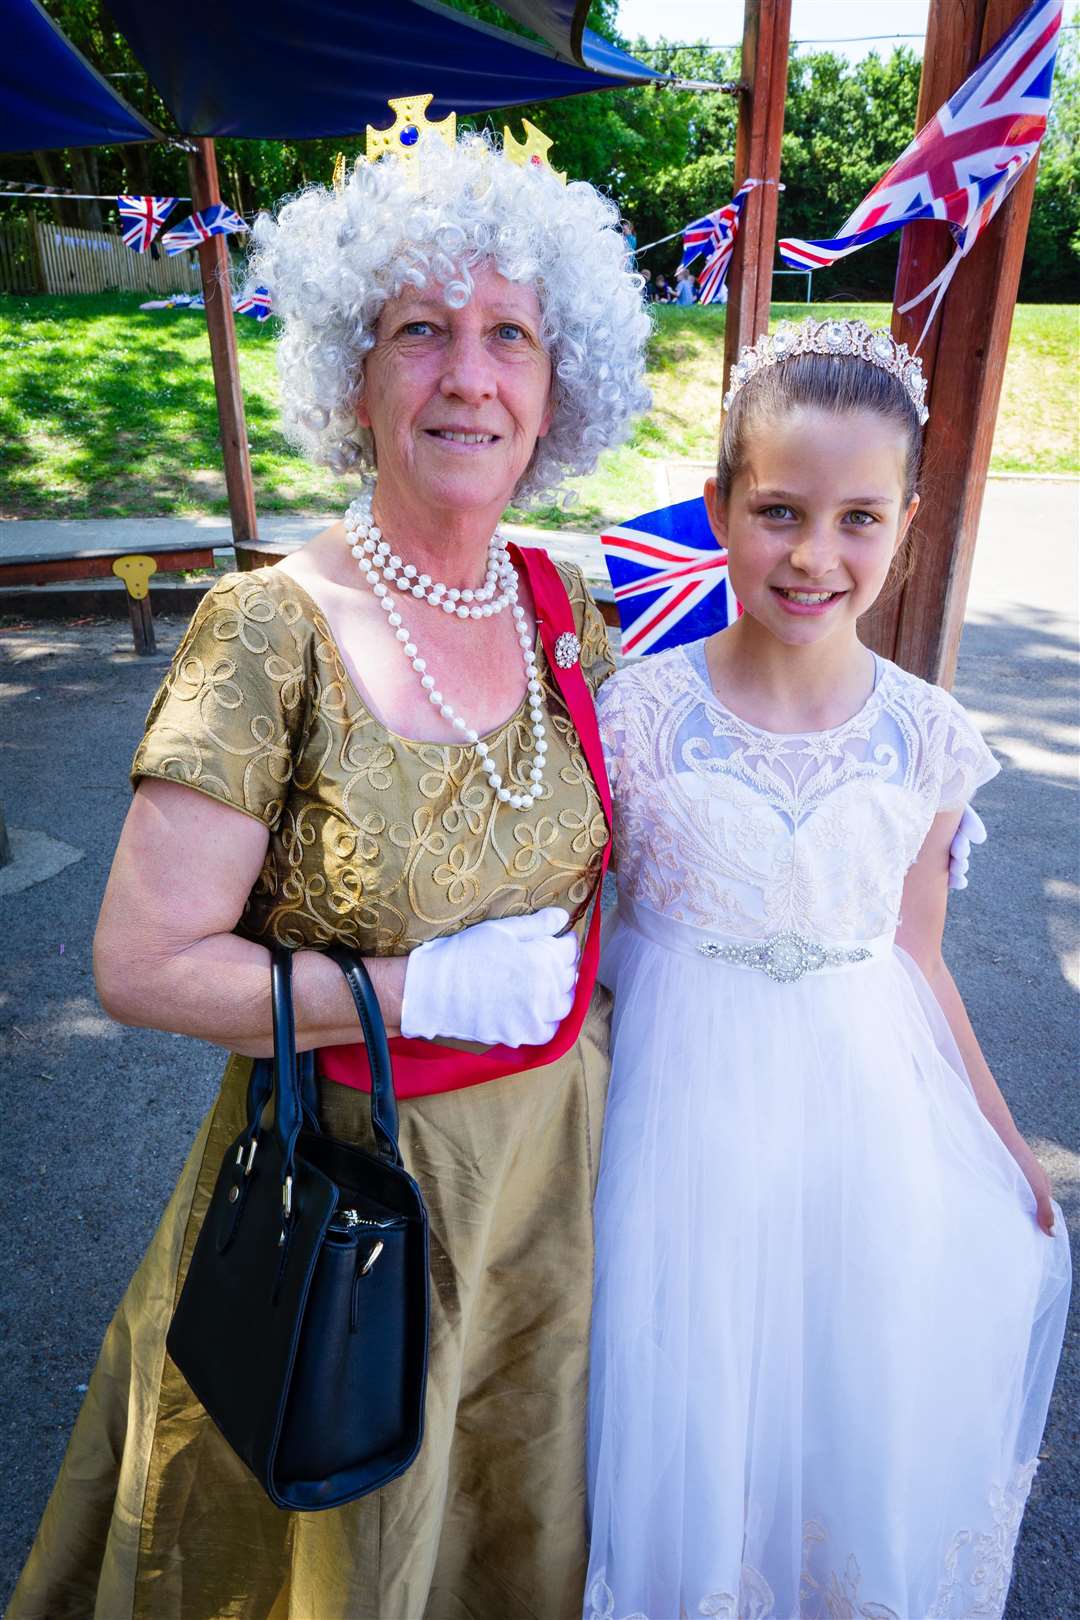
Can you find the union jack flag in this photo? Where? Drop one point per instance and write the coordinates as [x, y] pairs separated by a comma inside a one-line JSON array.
[[715, 235], [217, 220], [668, 591], [144, 216], [963, 163], [256, 303]]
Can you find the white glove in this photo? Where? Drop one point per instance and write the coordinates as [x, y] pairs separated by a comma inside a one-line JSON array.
[[970, 831], [509, 982]]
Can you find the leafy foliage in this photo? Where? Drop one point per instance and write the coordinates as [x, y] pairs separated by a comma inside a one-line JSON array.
[[666, 155]]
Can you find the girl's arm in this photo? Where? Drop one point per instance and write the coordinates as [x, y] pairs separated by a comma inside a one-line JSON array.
[[922, 925]]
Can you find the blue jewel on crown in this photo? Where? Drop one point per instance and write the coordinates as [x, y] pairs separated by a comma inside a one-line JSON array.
[[409, 135]]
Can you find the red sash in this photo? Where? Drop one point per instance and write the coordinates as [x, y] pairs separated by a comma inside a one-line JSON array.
[[422, 1067]]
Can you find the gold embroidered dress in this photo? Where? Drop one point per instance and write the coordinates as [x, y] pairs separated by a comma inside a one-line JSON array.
[[382, 842]]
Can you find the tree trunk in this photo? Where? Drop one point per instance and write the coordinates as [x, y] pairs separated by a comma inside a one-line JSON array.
[[137, 172], [238, 190], [90, 217], [48, 166]]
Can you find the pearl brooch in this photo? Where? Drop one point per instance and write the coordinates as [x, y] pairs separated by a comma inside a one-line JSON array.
[[382, 570]]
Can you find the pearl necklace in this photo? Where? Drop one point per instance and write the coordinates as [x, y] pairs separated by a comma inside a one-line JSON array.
[[378, 565], [369, 547]]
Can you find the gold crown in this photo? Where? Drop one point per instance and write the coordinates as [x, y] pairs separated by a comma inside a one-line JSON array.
[[338, 181], [409, 131], [532, 151], [831, 337]]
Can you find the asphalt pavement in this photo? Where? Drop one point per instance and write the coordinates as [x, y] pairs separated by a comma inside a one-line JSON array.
[[99, 1118]]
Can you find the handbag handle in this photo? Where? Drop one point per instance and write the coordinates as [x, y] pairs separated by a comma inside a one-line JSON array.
[[288, 1114], [384, 1112], [288, 1106]]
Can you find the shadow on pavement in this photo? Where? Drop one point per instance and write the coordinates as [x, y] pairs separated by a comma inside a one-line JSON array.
[[99, 1119]]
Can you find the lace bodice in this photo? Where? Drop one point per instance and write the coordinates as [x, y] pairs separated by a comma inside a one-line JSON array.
[[749, 833]]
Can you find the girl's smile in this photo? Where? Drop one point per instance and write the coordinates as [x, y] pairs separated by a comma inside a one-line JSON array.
[[800, 602]]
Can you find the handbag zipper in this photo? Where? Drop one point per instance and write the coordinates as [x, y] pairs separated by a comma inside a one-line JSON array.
[[346, 1220]]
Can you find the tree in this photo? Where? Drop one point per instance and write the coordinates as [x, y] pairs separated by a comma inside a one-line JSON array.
[[844, 125], [1053, 245], [666, 156]]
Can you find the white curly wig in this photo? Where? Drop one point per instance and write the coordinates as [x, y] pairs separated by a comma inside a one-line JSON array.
[[331, 260]]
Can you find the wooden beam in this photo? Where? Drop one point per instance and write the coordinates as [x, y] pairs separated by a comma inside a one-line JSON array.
[[217, 291], [46, 570], [766, 38], [964, 353]]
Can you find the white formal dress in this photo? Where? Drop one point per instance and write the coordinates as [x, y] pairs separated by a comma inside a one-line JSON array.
[[826, 1324]]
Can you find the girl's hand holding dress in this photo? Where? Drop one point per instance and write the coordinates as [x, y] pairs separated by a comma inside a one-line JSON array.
[[922, 926], [1037, 1180]]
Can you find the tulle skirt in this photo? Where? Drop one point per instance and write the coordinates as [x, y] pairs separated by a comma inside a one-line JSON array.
[[825, 1324]]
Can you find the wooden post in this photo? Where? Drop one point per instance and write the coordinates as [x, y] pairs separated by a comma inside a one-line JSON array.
[[135, 571], [141, 616], [964, 354], [214, 267], [766, 38]]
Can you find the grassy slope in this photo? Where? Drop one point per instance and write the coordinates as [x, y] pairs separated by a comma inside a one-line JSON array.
[[109, 411]]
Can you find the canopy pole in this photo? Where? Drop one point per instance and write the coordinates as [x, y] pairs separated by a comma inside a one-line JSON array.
[[766, 37], [919, 625], [217, 291]]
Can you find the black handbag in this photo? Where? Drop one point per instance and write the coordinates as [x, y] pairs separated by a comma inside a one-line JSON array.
[[302, 1326]]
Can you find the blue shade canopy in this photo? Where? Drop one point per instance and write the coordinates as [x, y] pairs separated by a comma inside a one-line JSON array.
[[562, 24], [50, 95], [300, 69]]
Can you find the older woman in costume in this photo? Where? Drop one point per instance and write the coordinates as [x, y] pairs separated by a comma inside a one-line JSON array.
[[370, 743]]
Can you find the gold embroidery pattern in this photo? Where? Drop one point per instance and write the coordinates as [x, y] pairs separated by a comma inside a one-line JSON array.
[[375, 840]]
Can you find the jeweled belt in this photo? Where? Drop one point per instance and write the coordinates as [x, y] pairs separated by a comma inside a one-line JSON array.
[[785, 957]]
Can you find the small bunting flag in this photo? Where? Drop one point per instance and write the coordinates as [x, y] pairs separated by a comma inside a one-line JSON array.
[[217, 220], [142, 218]]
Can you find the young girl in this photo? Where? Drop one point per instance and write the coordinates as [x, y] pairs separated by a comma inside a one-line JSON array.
[[831, 1281]]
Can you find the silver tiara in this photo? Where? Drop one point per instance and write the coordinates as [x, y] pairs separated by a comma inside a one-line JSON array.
[[832, 337]]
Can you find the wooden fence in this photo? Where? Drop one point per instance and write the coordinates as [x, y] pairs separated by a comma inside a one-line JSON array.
[[18, 263], [40, 257]]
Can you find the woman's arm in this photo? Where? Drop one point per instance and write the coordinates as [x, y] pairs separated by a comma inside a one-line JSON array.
[[165, 955], [922, 925]]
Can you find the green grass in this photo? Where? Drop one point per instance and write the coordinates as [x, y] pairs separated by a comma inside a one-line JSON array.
[[108, 411]]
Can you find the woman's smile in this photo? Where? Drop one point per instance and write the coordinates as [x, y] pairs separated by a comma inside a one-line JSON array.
[[458, 439]]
